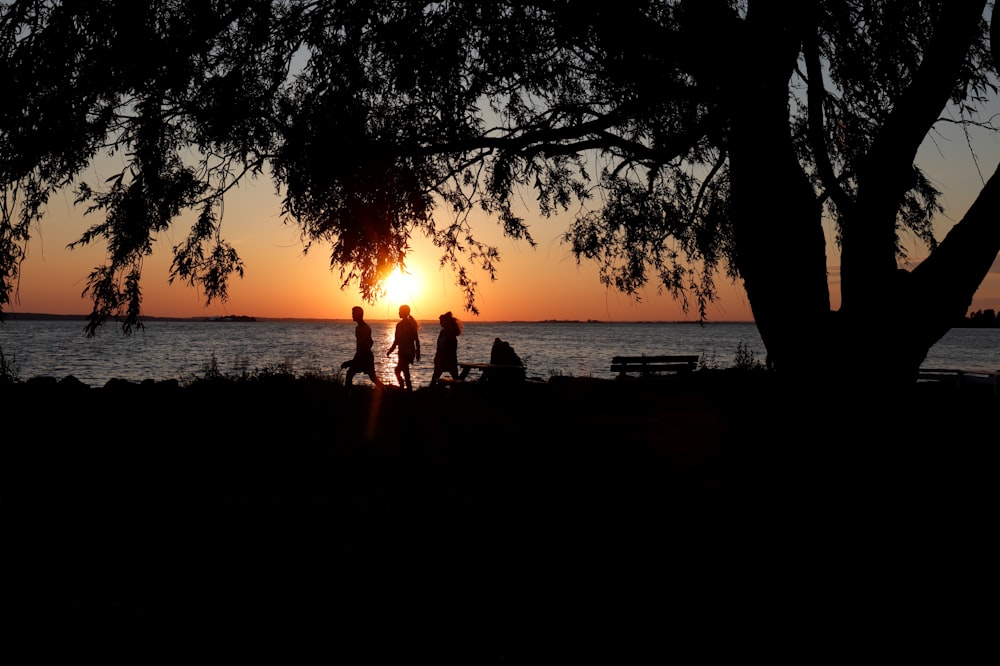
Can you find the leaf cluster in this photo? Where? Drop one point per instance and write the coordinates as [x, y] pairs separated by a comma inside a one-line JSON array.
[[381, 120]]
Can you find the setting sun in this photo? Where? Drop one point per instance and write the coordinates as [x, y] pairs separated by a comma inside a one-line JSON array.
[[400, 287]]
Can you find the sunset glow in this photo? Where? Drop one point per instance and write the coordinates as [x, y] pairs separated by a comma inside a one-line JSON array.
[[401, 287], [533, 284]]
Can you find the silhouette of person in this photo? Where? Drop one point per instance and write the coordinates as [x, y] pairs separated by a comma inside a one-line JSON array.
[[446, 357], [502, 354], [407, 341], [364, 359]]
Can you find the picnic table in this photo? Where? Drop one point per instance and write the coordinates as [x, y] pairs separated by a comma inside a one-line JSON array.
[[466, 368], [488, 370]]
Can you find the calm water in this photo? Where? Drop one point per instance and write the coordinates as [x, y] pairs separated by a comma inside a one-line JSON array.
[[183, 350]]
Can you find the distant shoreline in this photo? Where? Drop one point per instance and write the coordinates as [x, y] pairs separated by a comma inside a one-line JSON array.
[[36, 316], [237, 319]]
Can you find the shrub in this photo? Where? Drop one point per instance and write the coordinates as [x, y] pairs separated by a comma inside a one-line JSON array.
[[8, 370], [745, 359]]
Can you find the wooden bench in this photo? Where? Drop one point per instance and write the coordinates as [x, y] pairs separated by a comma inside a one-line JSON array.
[[652, 365], [959, 378]]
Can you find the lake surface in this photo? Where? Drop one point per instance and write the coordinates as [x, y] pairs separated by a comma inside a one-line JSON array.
[[185, 349]]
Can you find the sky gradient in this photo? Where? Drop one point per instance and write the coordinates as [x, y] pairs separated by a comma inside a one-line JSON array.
[[534, 284]]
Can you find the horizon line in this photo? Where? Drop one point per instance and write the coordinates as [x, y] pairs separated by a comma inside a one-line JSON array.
[[217, 318]]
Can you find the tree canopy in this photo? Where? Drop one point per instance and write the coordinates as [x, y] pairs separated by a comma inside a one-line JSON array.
[[687, 139]]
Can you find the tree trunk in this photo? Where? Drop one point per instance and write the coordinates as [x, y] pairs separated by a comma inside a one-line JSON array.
[[777, 219], [940, 290], [873, 287]]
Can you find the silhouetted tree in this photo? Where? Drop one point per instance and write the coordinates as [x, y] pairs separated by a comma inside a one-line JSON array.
[[982, 319], [690, 138]]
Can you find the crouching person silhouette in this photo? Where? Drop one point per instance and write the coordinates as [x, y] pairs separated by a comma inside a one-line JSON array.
[[508, 366]]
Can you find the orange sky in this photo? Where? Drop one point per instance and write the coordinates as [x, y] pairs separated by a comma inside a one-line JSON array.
[[534, 283]]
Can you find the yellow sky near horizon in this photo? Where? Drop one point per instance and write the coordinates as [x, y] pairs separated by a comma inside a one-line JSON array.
[[534, 284]]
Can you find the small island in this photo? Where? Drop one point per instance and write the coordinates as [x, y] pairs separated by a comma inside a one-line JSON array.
[[227, 318]]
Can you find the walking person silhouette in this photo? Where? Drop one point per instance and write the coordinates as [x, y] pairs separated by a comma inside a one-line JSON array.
[[446, 357], [407, 342], [364, 359]]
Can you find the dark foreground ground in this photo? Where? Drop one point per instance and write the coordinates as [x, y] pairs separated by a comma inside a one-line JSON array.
[[628, 522]]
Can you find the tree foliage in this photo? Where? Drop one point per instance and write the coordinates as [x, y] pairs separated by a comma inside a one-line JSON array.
[[687, 139]]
